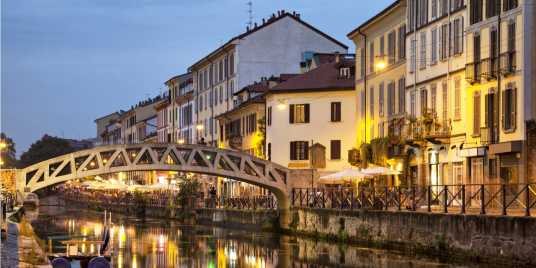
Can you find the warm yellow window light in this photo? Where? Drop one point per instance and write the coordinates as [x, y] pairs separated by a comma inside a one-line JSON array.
[[200, 127], [180, 141], [3, 145]]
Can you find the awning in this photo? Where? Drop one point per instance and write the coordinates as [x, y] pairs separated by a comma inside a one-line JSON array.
[[345, 176]]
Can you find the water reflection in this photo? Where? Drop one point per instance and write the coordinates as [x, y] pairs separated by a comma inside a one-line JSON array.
[[157, 243]]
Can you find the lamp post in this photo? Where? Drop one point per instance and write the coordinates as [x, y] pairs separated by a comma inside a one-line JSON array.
[[3, 145]]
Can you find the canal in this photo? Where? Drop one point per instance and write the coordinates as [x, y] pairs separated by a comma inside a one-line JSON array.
[[161, 243]]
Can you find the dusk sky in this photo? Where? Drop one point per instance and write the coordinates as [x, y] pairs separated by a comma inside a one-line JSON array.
[[67, 62]]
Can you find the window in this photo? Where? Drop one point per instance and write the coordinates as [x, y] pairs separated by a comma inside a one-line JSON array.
[[221, 94], [335, 150], [380, 101], [251, 123], [381, 130], [443, 39], [226, 64], [509, 4], [509, 108], [411, 14], [444, 7], [413, 56], [371, 102], [493, 8], [511, 37], [269, 119], [457, 98], [299, 113], [494, 51], [455, 4], [433, 97], [299, 150], [391, 98], [382, 46], [402, 42], [422, 55], [220, 71], [433, 53], [476, 113], [422, 17], [458, 36], [231, 64], [371, 57], [445, 100], [434, 9], [476, 11], [336, 112], [424, 101], [476, 49], [391, 47], [401, 95]]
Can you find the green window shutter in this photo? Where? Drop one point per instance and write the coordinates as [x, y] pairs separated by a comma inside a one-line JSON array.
[[306, 113]]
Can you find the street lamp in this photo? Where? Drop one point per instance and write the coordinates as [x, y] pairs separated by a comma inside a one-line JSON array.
[[200, 127], [380, 65], [180, 141]]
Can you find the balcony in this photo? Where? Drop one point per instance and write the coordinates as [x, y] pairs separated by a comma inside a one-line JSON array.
[[489, 135], [427, 128], [490, 68], [473, 72], [508, 63]]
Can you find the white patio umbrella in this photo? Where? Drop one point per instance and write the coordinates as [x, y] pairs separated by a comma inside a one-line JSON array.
[[343, 176], [375, 171]]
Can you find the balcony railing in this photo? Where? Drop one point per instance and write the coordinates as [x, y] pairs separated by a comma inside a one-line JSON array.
[[473, 72], [490, 68], [508, 63], [427, 127], [489, 135]]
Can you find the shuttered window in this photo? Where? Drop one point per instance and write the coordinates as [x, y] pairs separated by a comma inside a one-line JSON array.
[[269, 119], [401, 95], [476, 11], [509, 108], [380, 101], [509, 4], [391, 98], [391, 47], [299, 150], [424, 101], [445, 100], [476, 113], [299, 113], [335, 112], [402, 42], [493, 8], [457, 99], [335, 150], [371, 103]]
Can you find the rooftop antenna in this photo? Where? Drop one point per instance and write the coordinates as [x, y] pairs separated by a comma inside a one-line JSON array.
[[250, 12]]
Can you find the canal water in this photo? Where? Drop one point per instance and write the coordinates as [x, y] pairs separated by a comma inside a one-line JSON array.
[[161, 243]]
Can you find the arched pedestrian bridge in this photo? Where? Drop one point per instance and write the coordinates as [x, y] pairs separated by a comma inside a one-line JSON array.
[[166, 157]]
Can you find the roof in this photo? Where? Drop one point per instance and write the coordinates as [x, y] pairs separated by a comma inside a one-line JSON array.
[[324, 77], [369, 21], [254, 100], [183, 77], [270, 21], [106, 116]]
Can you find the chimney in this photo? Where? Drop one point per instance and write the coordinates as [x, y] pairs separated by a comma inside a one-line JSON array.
[[263, 21], [255, 25], [247, 28]]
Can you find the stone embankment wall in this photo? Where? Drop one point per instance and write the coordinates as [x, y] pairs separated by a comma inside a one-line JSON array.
[[491, 239]]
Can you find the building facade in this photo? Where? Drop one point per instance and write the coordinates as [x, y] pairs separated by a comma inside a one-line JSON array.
[[310, 118], [175, 116], [466, 111], [274, 47]]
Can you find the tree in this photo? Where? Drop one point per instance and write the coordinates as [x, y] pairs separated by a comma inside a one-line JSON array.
[[45, 148], [8, 157]]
